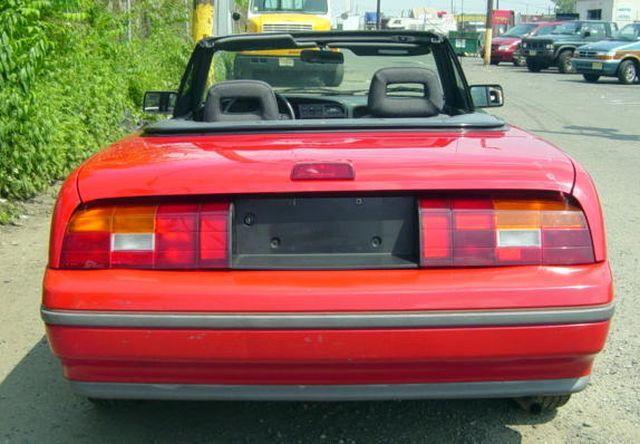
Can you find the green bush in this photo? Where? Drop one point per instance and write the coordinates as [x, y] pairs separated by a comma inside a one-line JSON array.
[[72, 81]]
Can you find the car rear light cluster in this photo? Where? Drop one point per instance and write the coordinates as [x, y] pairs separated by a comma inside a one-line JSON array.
[[454, 232], [489, 232], [148, 236]]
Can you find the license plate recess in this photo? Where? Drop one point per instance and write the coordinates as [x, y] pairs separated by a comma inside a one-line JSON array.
[[325, 232]]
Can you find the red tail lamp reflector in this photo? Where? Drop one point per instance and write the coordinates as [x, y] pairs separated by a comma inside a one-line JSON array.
[[323, 171], [214, 235], [166, 236], [481, 232]]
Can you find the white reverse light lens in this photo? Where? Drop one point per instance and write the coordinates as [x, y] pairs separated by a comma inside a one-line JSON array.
[[519, 238], [132, 242]]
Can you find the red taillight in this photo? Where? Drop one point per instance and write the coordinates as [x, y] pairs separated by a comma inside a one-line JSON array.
[[486, 232], [176, 233], [454, 232], [165, 236], [214, 235]]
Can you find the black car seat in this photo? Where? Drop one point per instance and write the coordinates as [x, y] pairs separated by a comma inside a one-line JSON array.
[[381, 104], [260, 94]]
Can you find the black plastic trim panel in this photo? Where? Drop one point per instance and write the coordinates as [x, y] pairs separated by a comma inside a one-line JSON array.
[[325, 232], [464, 121], [356, 392]]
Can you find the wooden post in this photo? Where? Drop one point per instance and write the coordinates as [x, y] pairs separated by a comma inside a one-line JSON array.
[[488, 33], [202, 20]]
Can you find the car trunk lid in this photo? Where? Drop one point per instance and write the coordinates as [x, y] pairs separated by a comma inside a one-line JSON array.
[[249, 164]]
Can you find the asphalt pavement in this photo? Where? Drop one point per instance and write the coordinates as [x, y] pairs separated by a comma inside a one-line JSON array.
[[598, 124]]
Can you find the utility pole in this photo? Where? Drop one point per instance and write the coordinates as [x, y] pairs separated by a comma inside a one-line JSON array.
[[202, 19], [378, 18], [488, 33], [128, 7]]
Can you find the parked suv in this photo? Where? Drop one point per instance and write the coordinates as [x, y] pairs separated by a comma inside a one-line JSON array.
[[618, 57], [557, 48]]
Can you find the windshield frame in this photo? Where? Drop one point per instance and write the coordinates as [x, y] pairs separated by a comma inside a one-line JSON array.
[[576, 30], [635, 27], [543, 30], [458, 112], [193, 84], [530, 28]]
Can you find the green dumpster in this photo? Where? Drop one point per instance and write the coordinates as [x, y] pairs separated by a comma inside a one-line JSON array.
[[466, 43]]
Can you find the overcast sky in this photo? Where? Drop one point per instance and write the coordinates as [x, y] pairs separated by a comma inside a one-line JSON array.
[[394, 7]]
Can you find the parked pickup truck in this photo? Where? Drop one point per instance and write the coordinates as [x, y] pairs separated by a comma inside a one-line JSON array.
[[619, 57], [557, 48]]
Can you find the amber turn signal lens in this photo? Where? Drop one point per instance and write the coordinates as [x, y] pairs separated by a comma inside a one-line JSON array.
[[94, 219]]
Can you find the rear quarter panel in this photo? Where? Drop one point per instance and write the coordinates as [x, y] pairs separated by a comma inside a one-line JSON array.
[[68, 201]]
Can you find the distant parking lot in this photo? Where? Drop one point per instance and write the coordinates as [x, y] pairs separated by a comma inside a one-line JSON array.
[[599, 124]]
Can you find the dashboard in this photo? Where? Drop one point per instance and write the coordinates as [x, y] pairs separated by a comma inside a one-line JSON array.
[[337, 107], [321, 111], [305, 106]]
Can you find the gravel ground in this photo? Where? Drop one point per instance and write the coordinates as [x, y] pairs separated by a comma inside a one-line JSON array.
[[598, 124]]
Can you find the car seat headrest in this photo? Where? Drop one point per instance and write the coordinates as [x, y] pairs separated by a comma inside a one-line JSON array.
[[383, 105], [260, 92]]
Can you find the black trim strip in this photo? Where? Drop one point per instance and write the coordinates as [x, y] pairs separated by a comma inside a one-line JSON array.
[[349, 320], [359, 392], [460, 122]]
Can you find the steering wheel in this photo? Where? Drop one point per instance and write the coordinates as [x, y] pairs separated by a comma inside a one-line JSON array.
[[287, 105]]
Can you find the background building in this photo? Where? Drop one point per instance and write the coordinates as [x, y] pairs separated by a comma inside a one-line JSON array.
[[620, 11]]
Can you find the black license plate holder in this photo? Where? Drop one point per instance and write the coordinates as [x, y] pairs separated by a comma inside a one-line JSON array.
[[325, 232]]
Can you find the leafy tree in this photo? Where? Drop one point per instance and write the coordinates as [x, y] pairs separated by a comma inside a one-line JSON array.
[[565, 6], [72, 81]]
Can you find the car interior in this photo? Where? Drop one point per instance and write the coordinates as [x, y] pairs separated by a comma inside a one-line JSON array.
[[254, 100], [391, 80]]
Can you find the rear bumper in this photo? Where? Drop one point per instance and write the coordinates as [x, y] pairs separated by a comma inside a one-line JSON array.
[[333, 329], [363, 392], [544, 57], [323, 356], [586, 66], [243, 291]]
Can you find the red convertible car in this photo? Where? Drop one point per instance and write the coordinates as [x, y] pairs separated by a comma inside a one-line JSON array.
[[279, 239]]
